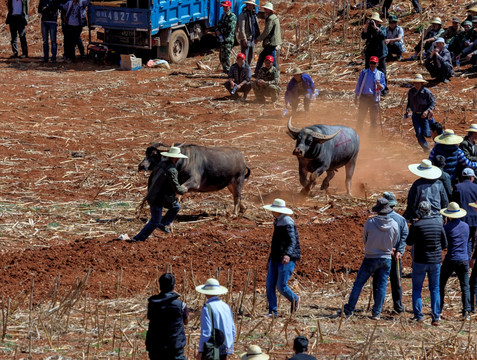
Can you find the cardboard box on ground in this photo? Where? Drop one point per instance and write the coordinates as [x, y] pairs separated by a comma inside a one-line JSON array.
[[130, 62]]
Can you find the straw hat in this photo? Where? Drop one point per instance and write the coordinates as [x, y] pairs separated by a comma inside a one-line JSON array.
[[211, 287], [448, 138], [251, 2], [297, 71], [474, 204], [418, 79], [375, 17], [269, 6], [454, 211], [254, 353], [472, 128], [436, 20], [174, 152], [473, 8], [279, 206], [426, 170]]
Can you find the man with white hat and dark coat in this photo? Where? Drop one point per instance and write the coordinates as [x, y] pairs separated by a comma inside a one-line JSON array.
[[427, 188], [217, 315], [163, 185], [284, 253], [380, 237], [165, 338], [421, 102], [247, 29]]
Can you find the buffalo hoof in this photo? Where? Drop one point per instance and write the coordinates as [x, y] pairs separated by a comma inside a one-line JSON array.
[[305, 192]]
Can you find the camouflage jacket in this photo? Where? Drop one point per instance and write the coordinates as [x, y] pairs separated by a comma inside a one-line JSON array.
[[226, 26], [270, 76]]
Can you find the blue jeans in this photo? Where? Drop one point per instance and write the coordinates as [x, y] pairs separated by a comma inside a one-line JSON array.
[[380, 268], [48, 29], [277, 278], [267, 50], [419, 272], [422, 129], [157, 220]]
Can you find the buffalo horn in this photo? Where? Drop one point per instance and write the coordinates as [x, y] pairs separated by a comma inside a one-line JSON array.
[[321, 138], [292, 131]]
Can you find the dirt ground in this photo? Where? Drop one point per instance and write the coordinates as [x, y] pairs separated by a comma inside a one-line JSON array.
[[72, 135]]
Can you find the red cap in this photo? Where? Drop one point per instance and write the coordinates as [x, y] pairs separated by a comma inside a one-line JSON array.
[[241, 56], [374, 59], [226, 3], [269, 58]]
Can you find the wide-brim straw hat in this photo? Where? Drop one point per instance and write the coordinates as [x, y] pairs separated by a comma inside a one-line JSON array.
[[472, 128], [250, 2], [436, 20], [279, 206], [174, 152], [418, 78], [269, 6], [425, 170], [454, 211], [254, 353], [297, 71], [211, 287], [375, 17], [449, 138], [473, 8]]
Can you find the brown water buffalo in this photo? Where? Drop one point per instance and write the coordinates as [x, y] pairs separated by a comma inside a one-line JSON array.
[[206, 169]]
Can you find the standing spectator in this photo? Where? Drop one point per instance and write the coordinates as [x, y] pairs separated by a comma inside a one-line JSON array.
[[271, 37], [421, 102], [300, 84], [267, 82], [394, 39], [368, 93], [49, 18], [380, 236], [220, 313], [247, 30], [254, 353], [439, 62], [457, 256], [473, 275], [395, 274], [74, 21], [375, 36], [17, 18], [300, 346], [167, 315], [427, 188], [162, 187], [225, 31], [434, 31], [429, 239], [447, 146], [440, 162], [465, 193], [240, 76], [468, 148], [284, 253]]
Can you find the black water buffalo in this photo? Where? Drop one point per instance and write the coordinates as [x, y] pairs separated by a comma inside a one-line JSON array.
[[321, 148], [206, 169]]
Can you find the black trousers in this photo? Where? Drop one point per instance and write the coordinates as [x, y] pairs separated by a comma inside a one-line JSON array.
[[439, 73], [17, 29], [367, 103], [387, 6], [245, 89], [461, 268], [178, 355], [396, 289]]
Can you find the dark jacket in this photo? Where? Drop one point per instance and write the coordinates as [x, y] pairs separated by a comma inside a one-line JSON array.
[[163, 185], [247, 26], [429, 239], [465, 193], [25, 7], [375, 45], [166, 334], [425, 190], [446, 181], [285, 240], [48, 10], [450, 153], [457, 233]]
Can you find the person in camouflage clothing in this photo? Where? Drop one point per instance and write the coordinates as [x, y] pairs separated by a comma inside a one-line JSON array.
[[225, 32], [268, 82]]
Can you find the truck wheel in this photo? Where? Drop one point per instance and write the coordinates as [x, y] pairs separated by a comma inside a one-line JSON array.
[[178, 47]]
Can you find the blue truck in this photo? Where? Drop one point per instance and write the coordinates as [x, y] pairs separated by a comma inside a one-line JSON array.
[[166, 27]]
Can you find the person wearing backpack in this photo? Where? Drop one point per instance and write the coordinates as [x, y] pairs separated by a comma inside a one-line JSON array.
[[217, 328]]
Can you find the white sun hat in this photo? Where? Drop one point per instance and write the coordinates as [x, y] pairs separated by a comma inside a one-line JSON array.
[[454, 211], [211, 287], [279, 206], [426, 170], [268, 5], [174, 152], [449, 138], [254, 353]]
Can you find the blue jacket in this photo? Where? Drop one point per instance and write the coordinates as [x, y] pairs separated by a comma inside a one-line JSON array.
[[465, 193], [292, 88], [457, 233], [403, 231], [450, 153]]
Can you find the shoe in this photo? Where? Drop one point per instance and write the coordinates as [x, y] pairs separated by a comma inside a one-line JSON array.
[[164, 229], [446, 81], [418, 320], [271, 315], [435, 322], [397, 312], [345, 314], [53, 61], [23, 56], [134, 239], [376, 317], [14, 56], [44, 60], [466, 316]]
